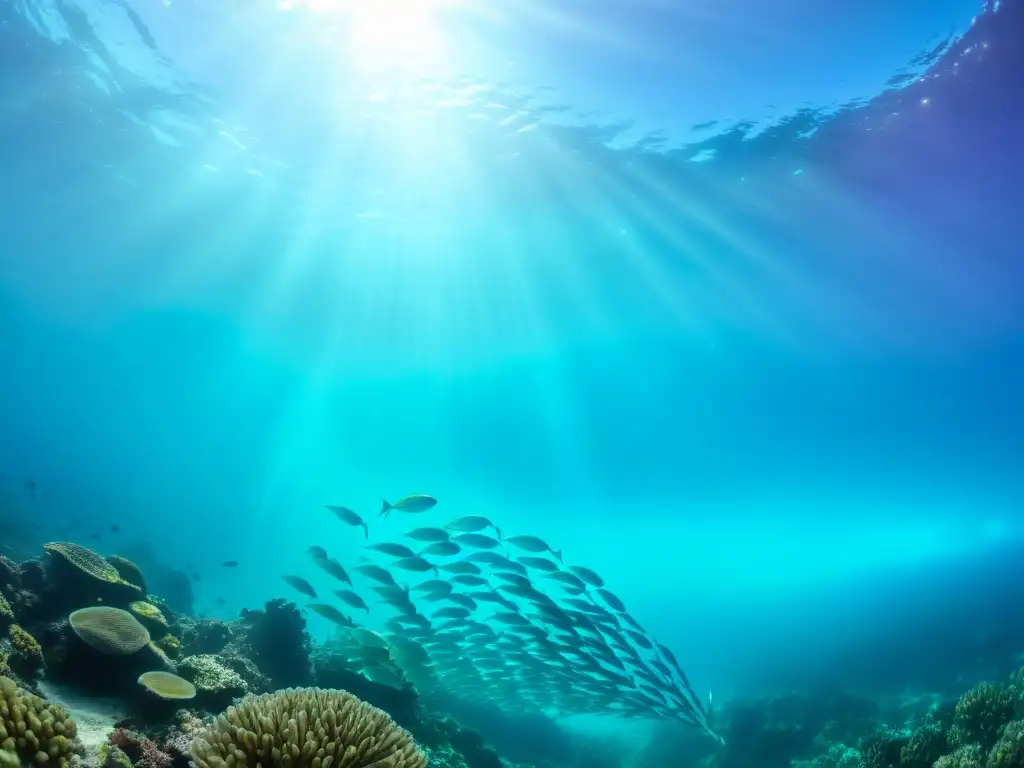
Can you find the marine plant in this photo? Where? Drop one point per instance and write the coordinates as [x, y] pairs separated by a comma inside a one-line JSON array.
[[305, 728], [32, 730], [981, 714]]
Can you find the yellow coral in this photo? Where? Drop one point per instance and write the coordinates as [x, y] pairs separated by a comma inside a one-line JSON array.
[[167, 685], [32, 729]]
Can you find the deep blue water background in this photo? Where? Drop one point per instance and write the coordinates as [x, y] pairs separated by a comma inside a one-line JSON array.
[[765, 376]]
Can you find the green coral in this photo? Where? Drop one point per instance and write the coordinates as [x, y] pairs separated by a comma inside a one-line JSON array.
[[148, 615], [6, 612], [170, 645], [981, 714], [927, 744], [109, 756], [967, 756], [32, 730], [1008, 752], [28, 655]]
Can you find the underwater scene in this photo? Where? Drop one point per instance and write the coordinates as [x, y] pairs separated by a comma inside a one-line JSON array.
[[511, 384]]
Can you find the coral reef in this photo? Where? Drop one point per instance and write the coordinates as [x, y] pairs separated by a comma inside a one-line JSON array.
[[128, 571], [981, 714], [78, 577], [203, 636], [149, 616], [215, 685], [1008, 752], [926, 745], [306, 727], [36, 731], [277, 641], [167, 686], [26, 655], [968, 756], [143, 752]]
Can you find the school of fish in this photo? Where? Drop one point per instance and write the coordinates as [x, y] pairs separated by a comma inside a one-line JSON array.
[[476, 615]]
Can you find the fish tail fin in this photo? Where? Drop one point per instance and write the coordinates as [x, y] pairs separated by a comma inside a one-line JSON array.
[[385, 507], [497, 531], [366, 529], [558, 555]]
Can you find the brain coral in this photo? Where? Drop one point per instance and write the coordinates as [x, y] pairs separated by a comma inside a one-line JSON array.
[[167, 686], [32, 730], [109, 630], [305, 728], [981, 714]]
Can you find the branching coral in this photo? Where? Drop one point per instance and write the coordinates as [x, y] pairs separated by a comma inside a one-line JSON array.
[[29, 727], [305, 728]]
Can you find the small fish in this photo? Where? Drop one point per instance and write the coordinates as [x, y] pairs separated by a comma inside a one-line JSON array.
[[461, 567], [349, 517], [428, 534], [229, 564], [470, 580], [476, 541], [587, 575], [300, 584], [221, 602], [390, 676], [451, 612], [95, 537], [352, 599], [472, 524], [30, 487], [376, 573], [317, 553], [115, 528], [333, 568], [411, 504], [464, 600], [442, 549], [395, 550], [433, 585], [612, 600], [532, 544], [538, 563], [415, 563], [331, 613]]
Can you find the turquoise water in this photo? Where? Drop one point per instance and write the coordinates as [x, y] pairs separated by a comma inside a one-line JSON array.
[[258, 261]]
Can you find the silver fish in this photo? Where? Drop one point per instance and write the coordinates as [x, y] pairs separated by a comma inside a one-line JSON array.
[[349, 517], [472, 524], [350, 597], [300, 584], [395, 550], [428, 534], [411, 504]]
